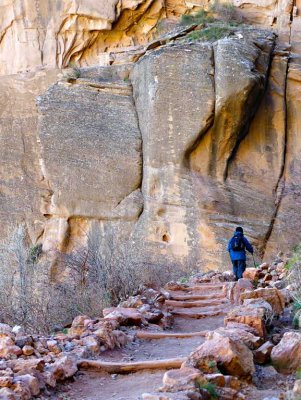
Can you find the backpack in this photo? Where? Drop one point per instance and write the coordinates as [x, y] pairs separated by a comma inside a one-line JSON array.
[[237, 243]]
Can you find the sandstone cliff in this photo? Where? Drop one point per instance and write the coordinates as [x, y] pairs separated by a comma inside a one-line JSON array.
[[170, 147]]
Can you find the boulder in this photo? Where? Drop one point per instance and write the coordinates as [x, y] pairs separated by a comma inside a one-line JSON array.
[[175, 286], [235, 289], [286, 356], [28, 350], [254, 317], [8, 349], [216, 379], [31, 382], [7, 394], [239, 325], [297, 389], [22, 390], [63, 367], [263, 353], [92, 344], [125, 316], [229, 356], [6, 380], [53, 346], [104, 331], [262, 304], [78, 325], [121, 339], [23, 340], [181, 379], [252, 274], [271, 295], [23, 367], [240, 335]]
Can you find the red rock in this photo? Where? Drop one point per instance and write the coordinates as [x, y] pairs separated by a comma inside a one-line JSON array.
[[254, 317], [125, 316], [216, 379], [286, 356], [92, 344], [235, 289], [184, 378], [22, 390], [231, 357], [63, 367], [8, 349], [7, 394], [175, 286], [271, 295], [23, 367], [31, 382], [53, 346], [251, 273], [28, 350], [78, 325], [247, 338], [121, 338], [262, 354], [6, 381]]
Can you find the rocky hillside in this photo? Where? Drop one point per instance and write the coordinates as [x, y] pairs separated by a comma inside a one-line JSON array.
[[163, 140]]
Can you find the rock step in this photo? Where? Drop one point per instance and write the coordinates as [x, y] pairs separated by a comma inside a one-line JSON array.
[[203, 286], [167, 335], [126, 368], [197, 303], [198, 315], [184, 297]]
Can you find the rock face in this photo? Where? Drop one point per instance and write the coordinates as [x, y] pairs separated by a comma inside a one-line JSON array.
[[169, 152]]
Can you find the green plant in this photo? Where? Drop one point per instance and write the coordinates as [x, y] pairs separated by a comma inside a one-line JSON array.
[[212, 33], [298, 373], [183, 279], [34, 253], [211, 364], [201, 17], [210, 388]]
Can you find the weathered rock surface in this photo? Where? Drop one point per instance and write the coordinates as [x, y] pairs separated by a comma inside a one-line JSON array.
[[229, 356], [286, 356], [219, 124]]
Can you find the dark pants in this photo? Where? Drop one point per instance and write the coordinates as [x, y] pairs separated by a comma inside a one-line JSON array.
[[239, 267]]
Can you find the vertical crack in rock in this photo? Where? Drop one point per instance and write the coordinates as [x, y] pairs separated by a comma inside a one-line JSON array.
[[280, 186], [245, 129]]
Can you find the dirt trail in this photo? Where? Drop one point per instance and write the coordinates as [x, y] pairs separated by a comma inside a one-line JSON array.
[[91, 385]]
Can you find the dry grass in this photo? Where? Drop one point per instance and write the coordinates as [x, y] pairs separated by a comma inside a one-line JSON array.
[[97, 275]]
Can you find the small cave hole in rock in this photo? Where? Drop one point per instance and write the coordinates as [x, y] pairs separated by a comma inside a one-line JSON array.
[[165, 238]]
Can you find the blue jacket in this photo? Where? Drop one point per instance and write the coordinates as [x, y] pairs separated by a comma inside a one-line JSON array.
[[241, 254]]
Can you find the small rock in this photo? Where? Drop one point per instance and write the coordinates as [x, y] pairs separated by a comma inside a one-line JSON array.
[[262, 354], [28, 350]]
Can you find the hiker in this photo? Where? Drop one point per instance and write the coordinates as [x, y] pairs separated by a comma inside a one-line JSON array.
[[237, 247]]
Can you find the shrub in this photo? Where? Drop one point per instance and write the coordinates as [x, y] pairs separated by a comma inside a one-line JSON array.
[[225, 11], [75, 72], [92, 277], [209, 34], [211, 389], [201, 17], [34, 253]]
